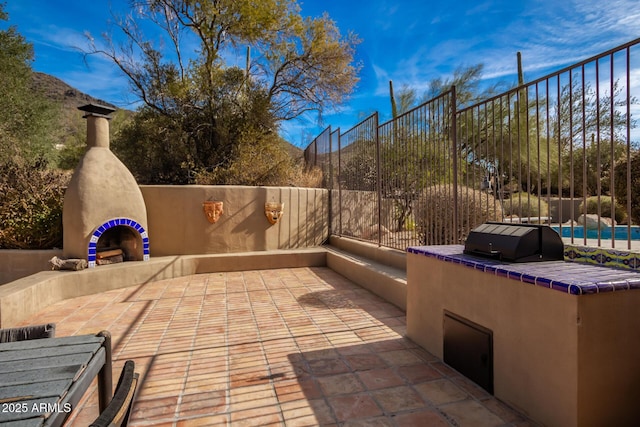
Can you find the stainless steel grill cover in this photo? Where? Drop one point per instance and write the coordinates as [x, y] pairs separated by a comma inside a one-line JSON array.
[[515, 242]]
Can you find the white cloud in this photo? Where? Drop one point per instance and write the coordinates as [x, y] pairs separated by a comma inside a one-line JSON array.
[[64, 39]]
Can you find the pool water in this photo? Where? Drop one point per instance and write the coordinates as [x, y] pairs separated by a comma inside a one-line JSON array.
[[605, 232]]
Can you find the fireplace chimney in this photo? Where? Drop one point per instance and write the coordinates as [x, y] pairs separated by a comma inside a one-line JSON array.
[[97, 124], [103, 206]]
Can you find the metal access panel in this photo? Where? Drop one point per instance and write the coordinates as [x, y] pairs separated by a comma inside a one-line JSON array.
[[468, 348]]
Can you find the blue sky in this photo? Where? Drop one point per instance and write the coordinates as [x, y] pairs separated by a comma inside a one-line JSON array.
[[410, 42]]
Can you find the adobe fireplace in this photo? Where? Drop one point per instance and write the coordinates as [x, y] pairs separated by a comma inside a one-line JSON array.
[[104, 216]]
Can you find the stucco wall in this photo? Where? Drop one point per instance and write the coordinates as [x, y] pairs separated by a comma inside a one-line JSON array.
[[177, 224], [18, 263]]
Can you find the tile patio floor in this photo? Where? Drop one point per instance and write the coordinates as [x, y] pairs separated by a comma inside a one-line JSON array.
[[293, 347]]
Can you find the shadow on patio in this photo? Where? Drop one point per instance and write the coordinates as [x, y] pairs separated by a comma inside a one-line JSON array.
[[295, 347]]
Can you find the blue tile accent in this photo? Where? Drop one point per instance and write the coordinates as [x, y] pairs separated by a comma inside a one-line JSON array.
[[514, 275], [543, 281], [576, 278], [91, 258], [589, 289], [502, 273], [560, 286]]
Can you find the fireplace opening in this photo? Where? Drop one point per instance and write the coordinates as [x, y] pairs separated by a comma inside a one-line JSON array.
[[118, 240], [119, 244]]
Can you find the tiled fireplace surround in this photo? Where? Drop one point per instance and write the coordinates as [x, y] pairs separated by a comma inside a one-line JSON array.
[[116, 222]]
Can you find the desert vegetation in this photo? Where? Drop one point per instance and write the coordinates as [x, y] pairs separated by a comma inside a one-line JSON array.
[[202, 121]]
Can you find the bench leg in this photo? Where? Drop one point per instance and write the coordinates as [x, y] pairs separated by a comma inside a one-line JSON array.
[[105, 376]]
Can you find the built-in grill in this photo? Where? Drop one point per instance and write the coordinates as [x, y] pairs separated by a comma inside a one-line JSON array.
[[515, 242]]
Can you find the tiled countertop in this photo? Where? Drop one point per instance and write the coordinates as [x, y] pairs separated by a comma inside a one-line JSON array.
[[567, 277]]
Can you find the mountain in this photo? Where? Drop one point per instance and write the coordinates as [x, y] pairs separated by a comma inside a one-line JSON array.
[[71, 98], [58, 91]]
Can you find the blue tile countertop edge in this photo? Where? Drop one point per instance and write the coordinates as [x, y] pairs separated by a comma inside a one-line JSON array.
[[567, 277]]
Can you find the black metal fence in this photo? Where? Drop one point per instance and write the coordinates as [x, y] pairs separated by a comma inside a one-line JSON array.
[[562, 150]]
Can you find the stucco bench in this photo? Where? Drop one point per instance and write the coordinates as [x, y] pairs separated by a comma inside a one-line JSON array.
[[564, 335]]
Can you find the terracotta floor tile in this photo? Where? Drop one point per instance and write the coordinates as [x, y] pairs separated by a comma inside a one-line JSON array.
[[398, 399], [363, 362], [84, 417], [503, 411], [295, 390], [154, 409], [371, 422], [419, 373], [293, 347], [440, 391], [252, 377], [206, 421], [306, 413], [254, 396], [399, 357], [421, 418], [375, 379], [258, 417], [354, 406], [470, 413], [445, 369], [206, 382], [328, 367], [360, 348], [203, 403], [470, 387], [340, 384], [328, 353]]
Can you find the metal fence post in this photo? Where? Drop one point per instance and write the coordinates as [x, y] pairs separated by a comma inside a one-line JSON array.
[[454, 153], [378, 178], [339, 184], [330, 189]]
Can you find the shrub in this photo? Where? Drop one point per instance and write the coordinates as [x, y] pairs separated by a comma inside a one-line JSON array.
[[605, 208], [260, 162], [31, 199], [308, 178], [525, 205], [620, 176], [434, 213]]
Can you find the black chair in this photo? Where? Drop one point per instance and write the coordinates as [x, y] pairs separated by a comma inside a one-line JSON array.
[[28, 333], [118, 411]]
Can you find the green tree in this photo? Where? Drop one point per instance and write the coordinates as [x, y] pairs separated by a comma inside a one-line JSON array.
[[467, 81], [27, 119], [591, 129], [627, 184], [197, 109], [30, 190], [415, 155]]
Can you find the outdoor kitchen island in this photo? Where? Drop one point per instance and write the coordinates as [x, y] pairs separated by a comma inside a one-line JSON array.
[[559, 341]]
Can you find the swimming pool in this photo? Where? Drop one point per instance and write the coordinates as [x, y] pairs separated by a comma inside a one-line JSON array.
[[605, 232]]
